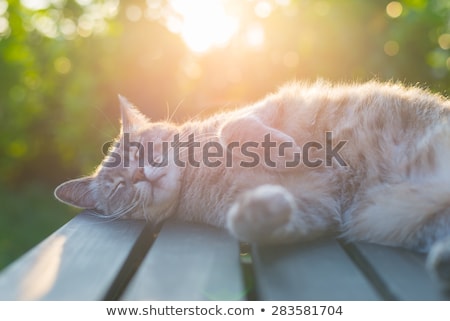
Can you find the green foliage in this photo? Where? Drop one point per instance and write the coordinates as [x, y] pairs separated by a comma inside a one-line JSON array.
[[28, 216], [63, 62]]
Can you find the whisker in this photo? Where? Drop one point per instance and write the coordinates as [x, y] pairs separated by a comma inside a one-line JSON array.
[[197, 134], [144, 208], [123, 211], [108, 118], [175, 110], [95, 213]]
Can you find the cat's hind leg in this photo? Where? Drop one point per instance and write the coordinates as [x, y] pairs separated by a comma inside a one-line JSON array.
[[410, 208], [410, 215], [270, 214]]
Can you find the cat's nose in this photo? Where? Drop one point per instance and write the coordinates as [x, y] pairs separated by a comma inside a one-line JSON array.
[[139, 175]]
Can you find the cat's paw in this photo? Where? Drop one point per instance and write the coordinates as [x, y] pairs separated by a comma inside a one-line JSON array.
[[261, 215], [438, 261]]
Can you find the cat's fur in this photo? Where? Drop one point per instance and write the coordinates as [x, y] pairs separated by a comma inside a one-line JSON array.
[[393, 187]]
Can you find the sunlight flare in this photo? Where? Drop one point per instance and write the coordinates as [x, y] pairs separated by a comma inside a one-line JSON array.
[[203, 24]]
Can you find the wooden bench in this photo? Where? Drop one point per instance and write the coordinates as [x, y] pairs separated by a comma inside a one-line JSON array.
[[94, 259]]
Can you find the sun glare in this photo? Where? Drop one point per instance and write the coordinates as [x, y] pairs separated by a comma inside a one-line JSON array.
[[203, 24]]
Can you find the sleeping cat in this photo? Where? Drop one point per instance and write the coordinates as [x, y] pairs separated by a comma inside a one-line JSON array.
[[368, 162]]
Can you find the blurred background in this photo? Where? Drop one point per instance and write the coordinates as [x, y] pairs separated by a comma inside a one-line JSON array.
[[63, 62]]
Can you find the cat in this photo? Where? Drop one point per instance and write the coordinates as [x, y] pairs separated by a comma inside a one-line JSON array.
[[365, 162]]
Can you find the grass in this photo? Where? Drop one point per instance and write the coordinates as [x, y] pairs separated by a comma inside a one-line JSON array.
[[27, 216]]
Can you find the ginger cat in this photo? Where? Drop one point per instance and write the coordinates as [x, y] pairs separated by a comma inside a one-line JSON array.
[[368, 162]]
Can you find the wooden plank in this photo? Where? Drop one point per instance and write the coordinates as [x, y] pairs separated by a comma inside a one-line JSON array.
[[319, 270], [80, 261], [402, 273], [189, 262]]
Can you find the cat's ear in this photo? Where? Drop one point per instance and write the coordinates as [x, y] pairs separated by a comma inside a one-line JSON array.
[[275, 148], [77, 192], [132, 119]]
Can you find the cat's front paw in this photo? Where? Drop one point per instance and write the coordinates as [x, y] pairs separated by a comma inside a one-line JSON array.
[[261, 215], [438, 261]]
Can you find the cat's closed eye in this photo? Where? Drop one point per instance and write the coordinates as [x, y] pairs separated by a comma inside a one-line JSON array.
[[158, 156], [119, 185], [138, 154]]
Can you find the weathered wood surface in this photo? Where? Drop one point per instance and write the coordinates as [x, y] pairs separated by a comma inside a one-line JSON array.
[[93, 259], [80, 261], [319, 270], [401, 274], [189, 262]]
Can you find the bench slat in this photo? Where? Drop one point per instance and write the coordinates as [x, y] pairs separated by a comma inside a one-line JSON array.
[[320, 270], [402, 272], [189, 262], [78, 262]]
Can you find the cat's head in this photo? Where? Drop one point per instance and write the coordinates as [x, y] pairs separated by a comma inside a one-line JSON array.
[[137, 179]]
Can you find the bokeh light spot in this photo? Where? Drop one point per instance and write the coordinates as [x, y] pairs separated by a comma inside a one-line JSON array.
[[255, 35], [153, 13], [394, 9], [444, 41], [263, 9], [83, 2], [35, 4], [391, 48], [4, 26], [3, 7], [62, 65], [154, 4], [17, 149], [85, 25], [68, 28], [45, 25], [32, 80], [437, 59], [133, 13]]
